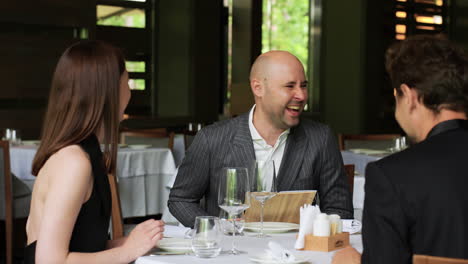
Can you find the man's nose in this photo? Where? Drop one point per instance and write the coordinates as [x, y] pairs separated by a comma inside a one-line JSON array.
[[300, 94]]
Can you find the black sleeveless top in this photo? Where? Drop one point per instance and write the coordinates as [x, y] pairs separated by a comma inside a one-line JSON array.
[[90, 233]]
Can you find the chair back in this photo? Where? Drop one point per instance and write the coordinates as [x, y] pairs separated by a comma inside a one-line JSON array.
[[367, 141], [189, 136], [116, 213], [159, 138], [349, 169], [6, 192], [424, 259]]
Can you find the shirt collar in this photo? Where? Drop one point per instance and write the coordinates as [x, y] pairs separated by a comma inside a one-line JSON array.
[[254, 133], [446, 126]]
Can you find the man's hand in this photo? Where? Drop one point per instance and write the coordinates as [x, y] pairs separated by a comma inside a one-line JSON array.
[[348, 255]]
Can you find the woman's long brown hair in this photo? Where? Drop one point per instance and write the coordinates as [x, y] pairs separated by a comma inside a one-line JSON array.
[[84, 99]]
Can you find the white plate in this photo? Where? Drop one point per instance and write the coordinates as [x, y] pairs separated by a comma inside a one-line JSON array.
[[267, 259], [271, 227], [31, 142], [175, 245], [370, 151], [139, 146]]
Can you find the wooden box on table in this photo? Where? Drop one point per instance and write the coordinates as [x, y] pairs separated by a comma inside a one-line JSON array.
[[326, 244]]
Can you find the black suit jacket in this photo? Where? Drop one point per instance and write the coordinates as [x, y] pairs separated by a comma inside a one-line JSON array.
[[417, 200], [311, 160]]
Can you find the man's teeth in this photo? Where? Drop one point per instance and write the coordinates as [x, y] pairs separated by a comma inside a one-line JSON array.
[[294, 107]]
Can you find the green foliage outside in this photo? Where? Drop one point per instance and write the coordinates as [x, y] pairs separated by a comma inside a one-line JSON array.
[[286, 27], [130, 18], [136, 84], [135, 66]]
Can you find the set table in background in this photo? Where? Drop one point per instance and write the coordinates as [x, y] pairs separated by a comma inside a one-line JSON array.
[[142, 175]]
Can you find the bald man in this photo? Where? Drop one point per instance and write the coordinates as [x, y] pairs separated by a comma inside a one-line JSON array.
[[305, 153]]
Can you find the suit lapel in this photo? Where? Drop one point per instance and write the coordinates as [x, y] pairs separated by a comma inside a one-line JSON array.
[[292, 158], [243, 150]]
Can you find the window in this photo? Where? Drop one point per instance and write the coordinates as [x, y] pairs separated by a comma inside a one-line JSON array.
[[129, 26], [294, 25], [419, 17], [286, 27], [108, 15]]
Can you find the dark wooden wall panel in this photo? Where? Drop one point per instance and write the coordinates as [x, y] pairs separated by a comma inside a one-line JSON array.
[[28, 63], [33, 35], [134, 40], [28, 121], [71, 13]]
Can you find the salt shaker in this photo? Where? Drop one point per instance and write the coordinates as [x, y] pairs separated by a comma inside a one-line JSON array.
[[322, 225], [336, 226]]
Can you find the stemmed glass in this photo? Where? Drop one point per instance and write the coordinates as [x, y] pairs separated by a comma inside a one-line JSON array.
[[264, 187], [227, 221], [233, 195]]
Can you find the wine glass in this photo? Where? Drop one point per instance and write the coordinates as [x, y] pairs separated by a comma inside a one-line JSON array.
[[233, 195], [264, 187], [227, 222]]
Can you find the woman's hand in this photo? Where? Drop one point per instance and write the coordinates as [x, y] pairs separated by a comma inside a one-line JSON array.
[[143, 238]]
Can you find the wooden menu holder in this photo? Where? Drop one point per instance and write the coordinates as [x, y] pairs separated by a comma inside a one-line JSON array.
[[284, 207], [326, 244]]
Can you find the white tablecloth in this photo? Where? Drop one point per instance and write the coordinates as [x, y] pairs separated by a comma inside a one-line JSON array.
[[250, 245], [360, 162], [142, 176]]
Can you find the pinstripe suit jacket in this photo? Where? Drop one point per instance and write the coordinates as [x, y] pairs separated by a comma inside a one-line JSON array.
[[311, 160]]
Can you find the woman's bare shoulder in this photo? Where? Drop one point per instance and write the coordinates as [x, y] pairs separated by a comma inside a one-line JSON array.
[[70, 161]]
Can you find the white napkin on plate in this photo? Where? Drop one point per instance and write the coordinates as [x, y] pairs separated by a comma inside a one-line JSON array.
[[175, 231], [351, 225], [279, 253], [308, 213]]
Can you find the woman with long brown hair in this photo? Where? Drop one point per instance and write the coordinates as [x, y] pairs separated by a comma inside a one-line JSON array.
[[71, 203]]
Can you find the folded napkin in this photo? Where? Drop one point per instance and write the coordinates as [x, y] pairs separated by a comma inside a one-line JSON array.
[[352, 226], [279, 253], [308, 213], [175, 231]]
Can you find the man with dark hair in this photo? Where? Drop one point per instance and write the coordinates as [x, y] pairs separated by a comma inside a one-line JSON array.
[[416, 200], [305, 153]]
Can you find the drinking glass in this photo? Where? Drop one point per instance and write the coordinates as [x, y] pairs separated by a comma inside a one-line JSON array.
[[399, 144], [233, 195], [264, 187], [12, 135], [230, 221], [206, 238]]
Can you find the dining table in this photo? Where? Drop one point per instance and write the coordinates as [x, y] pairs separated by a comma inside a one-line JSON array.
[[360, 158], [250, 247], [142, 174]]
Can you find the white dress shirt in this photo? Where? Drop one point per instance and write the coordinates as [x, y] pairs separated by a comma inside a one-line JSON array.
[[265, 152]]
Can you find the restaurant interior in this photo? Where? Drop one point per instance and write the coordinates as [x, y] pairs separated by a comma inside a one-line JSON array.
[[189, 64]]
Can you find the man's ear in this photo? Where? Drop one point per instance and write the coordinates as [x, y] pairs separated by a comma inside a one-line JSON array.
[[257, 87], [410, 96]]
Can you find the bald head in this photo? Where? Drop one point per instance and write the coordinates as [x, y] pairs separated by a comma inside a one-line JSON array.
[[279, 87], [266, 63]]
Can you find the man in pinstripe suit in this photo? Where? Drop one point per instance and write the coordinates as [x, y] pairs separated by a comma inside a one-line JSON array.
[[306, 153]]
